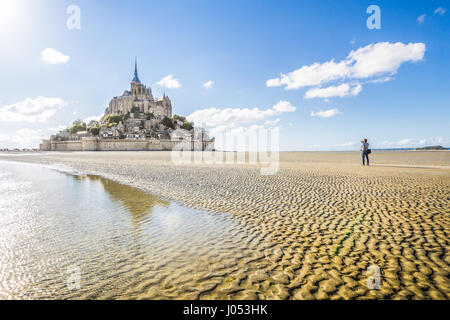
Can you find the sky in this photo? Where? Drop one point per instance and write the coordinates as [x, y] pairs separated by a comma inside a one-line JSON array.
[[312, 69]]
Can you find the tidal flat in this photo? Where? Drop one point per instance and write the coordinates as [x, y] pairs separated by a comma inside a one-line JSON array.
[[310, 231]]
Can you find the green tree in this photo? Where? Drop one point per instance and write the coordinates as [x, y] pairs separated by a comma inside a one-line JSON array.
[[168, 122], [187, 126], [177, 117], [110, 118], [77, 127], [94, 131]]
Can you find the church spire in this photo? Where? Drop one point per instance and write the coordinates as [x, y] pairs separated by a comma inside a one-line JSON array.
[[136, 78]]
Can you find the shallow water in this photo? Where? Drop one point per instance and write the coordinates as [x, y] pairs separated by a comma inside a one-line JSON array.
[[79, 236]]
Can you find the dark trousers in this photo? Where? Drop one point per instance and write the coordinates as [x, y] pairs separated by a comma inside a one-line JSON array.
[[366, 156]]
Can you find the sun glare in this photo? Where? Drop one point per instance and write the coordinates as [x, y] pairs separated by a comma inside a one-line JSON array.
[[9, 10]]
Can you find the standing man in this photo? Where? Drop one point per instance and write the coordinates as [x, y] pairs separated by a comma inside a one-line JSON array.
[[365, 151]]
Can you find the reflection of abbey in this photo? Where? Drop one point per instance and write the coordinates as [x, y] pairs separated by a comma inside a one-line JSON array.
[[133, 121]]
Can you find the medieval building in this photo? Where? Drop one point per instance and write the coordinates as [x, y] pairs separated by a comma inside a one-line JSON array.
[[140, 99]]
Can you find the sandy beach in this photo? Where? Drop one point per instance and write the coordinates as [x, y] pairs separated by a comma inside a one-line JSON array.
[[311, 231]]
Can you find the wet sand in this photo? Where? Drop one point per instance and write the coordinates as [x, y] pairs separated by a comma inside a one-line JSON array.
[[311, 231]]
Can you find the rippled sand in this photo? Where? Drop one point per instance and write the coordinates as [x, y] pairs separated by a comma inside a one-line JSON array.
[[308, 232]]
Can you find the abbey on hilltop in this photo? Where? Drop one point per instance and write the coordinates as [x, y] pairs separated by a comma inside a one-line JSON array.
[[139, 99], [136, 120]]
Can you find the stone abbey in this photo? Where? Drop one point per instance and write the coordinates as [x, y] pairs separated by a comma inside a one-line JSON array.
[[139, 99], [134, 121]]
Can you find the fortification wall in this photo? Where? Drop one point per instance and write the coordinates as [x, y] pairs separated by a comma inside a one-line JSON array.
[[67, 145], [128, 145], [95, 144]]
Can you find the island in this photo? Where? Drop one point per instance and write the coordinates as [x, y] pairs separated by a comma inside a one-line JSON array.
[[134, 121], [430, 148]]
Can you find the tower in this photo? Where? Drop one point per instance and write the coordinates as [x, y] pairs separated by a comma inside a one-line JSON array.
[[136, 78], [136, 83]]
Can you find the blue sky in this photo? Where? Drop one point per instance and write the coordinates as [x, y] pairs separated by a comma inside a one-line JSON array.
[[397, 95]]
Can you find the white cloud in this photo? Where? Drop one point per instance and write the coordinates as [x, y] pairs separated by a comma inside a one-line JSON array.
[[229, 117], [411, 143], [404, 142], [284, 106], [208, 84], [272, 122], [169, 82], [342, 90], [57, 128], [381, 80], [437, 140], [312, 75], [356, 90], [369, 61], [346, 144], [422, 142], [26, 138], [52, 56], [441, 11], [90, 118], [384, 57], [326, 113], [233, 117], [31, 110], [421, 18], [22, 138], [255, 127]]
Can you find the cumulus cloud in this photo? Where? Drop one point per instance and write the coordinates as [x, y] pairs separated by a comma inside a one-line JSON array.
[[284, 106], [381, 80], [438, 140], [52, 56], [31, 110], [350, 145], [342, 90], [169, 82], [422, 142], [405, 142], [326, 113], [421, 18], [272, 122], [346, 144], [208, 84], [57, 128], [95, 118], [410, 143], [440, 11], [27, 138], [375, 59], [234, 117], [312, 75], [22, 138]]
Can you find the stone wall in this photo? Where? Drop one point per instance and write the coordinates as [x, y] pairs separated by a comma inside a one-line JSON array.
[[128, 145], [66, 145], [95, 144]]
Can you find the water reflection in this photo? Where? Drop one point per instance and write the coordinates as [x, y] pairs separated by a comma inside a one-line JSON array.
[[138, 203], [127, 243]]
